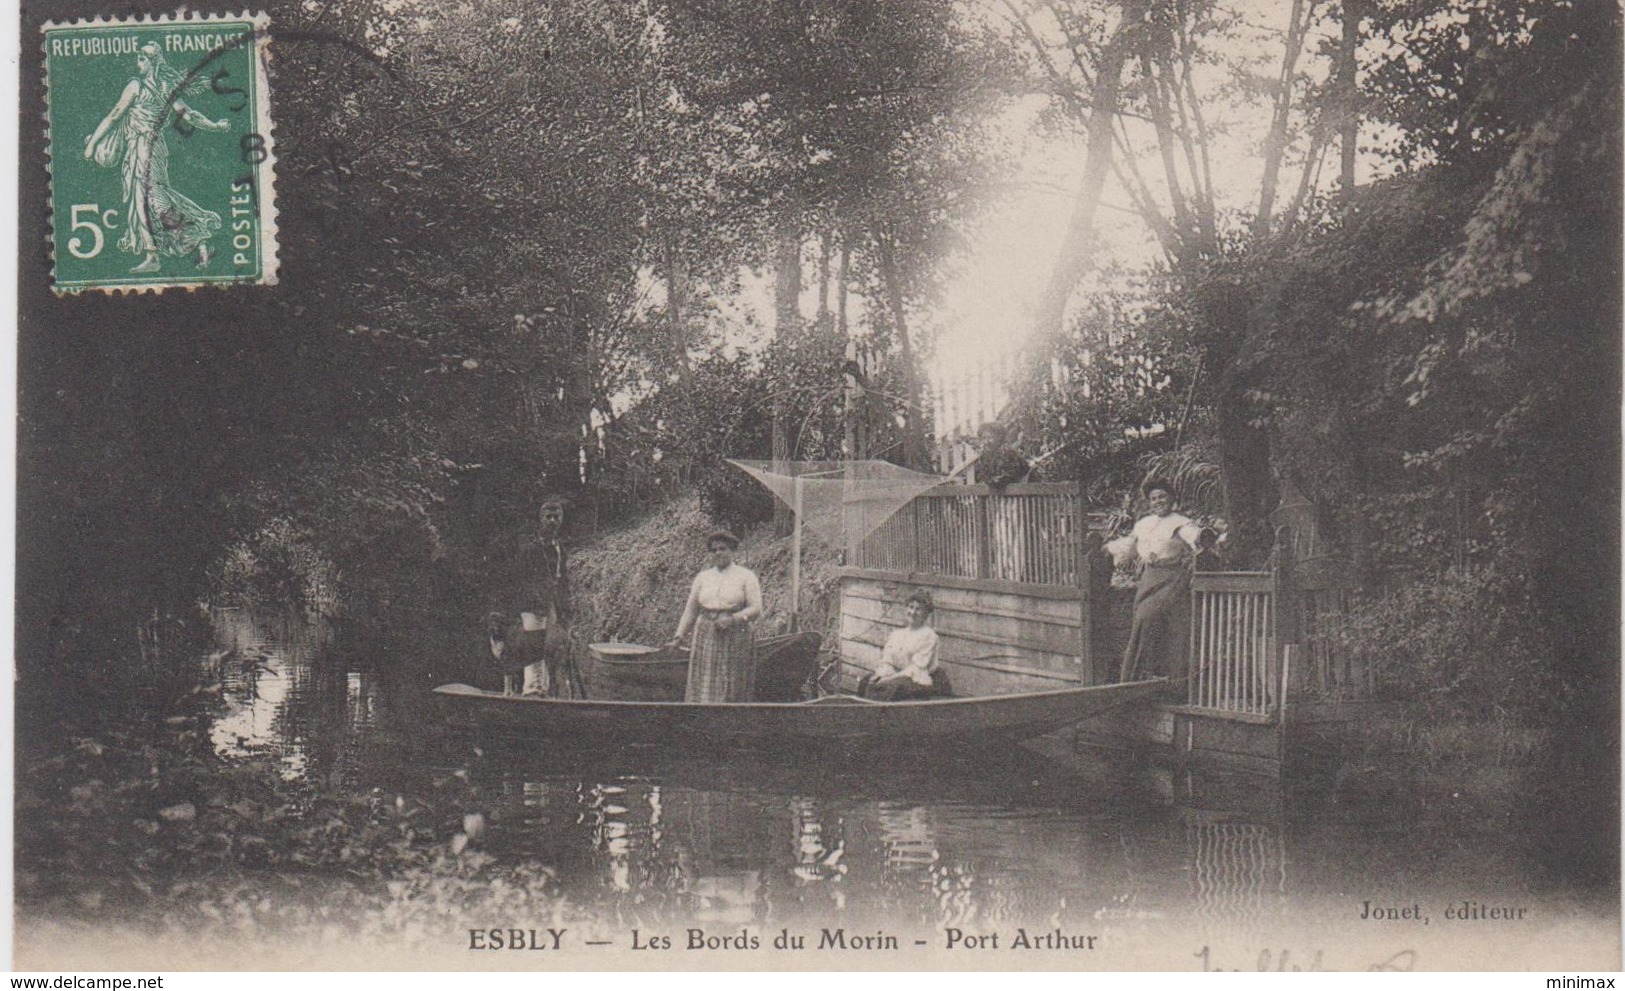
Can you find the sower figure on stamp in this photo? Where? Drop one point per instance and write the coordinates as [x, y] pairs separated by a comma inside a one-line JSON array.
[[535, 652], [157, 218]]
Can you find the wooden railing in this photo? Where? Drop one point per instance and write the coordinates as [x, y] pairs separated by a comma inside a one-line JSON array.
[[1029, 533], [1234, 663], [1258, 637]]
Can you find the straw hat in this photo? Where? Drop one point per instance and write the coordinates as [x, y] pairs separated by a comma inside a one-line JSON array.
[[722, 535]]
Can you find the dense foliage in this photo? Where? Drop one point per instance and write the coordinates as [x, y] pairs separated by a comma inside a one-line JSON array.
[[504, 229], [1419, 355]]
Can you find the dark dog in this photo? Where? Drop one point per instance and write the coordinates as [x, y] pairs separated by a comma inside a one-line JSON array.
[[517, 651], [511, 654]]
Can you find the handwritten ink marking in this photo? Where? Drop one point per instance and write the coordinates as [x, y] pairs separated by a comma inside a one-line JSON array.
[[1404, 961]]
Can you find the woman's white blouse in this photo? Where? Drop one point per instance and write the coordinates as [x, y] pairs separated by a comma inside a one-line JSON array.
[[734, 589], [911, 652], [1157, 540]]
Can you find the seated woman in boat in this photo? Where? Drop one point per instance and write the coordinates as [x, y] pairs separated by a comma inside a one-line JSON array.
[[1164, 543], [908, 663], [722, 601]]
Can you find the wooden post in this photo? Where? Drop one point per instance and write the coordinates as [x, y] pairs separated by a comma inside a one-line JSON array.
[[1085, 544], [914, 545], [984, 535], [849, 400], [1287, 622], [1281, 705], [1194, 676], [795, 561], [1288, 614]]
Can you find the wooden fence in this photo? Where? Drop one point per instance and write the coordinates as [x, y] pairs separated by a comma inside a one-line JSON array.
[[994, 638], [1032, 533], [1323, 668], [1009, 569], [1259, 637], [1318, 587], [1234, 662]]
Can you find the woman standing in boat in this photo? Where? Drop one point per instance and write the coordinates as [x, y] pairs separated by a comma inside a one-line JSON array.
[[1164, 543], [722, 601]]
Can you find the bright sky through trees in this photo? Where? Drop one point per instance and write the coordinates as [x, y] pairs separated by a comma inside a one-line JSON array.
[[986, 312]]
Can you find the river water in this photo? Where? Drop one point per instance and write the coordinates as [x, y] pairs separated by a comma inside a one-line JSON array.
[[1081, 860]]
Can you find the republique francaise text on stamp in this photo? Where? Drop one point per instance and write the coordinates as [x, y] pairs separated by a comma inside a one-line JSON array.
[[161, 154]]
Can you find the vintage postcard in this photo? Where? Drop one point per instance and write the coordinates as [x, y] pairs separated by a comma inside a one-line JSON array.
[[819, 485]]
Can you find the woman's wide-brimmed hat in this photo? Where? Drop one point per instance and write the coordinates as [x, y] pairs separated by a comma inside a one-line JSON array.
[[725, 536]]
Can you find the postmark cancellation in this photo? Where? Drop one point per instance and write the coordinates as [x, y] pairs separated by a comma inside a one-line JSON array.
[[160, 148]]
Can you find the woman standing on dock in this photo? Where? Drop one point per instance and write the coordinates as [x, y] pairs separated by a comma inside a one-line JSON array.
[[722, 601], [1164, 542]]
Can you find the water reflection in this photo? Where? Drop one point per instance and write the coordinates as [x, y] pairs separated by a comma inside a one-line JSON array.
[[646, 838], [1238, 876]]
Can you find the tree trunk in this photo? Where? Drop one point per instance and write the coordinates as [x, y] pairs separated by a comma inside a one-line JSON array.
[[914, 442], [1244, 448], [1348, 96], [854, 447], [823, 279], [1079, 244], [787, 325], [676, 294], [1244, 466], [1275, 143], [579, 399], [843, 273]]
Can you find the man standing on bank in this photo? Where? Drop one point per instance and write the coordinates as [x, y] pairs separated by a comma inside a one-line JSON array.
[[1165, 544], [722, 601]]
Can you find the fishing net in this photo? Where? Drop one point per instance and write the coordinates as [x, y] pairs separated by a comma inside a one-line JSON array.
[[841, 502]]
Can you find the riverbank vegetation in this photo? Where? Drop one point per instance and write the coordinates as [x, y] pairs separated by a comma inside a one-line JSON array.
[[593, 249]]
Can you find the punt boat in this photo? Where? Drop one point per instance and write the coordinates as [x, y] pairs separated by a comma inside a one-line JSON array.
[[836, 720]]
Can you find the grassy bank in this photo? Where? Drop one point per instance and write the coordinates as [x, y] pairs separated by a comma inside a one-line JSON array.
[[630, 583]]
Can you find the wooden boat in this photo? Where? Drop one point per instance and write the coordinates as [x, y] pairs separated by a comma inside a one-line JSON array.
[[629, 673], [833, 721]]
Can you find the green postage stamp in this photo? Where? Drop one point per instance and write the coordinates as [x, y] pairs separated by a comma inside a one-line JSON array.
[[161, 155]]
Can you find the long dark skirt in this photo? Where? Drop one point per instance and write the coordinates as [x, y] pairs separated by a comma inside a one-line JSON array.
[[722, 667], [1158, 641]]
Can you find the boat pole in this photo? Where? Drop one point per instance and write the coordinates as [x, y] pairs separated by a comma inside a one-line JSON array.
[[795, 560]]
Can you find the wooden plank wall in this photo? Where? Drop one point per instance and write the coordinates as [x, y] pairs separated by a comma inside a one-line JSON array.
[[998, 638]]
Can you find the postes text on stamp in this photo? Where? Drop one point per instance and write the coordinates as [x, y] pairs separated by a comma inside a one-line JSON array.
[[162, 170]]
